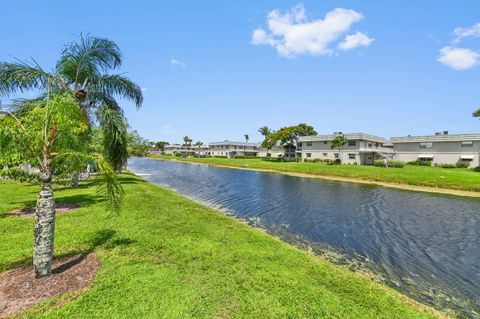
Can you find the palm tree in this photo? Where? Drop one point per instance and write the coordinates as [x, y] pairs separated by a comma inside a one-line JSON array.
[[82, 70], [198, 144], [187, 144], [339, 142], [266, 132], [246, 138]]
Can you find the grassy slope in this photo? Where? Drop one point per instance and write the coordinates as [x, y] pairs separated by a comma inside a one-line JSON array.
[[167, 257], [459, 179]]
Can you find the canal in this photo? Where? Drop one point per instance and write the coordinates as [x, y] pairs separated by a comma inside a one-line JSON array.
[[425, 245]]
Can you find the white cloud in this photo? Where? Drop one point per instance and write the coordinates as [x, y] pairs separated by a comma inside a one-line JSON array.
[[458, 58], [471, 32], [176, 62], [356, 40], [144, 89], [292, 34]]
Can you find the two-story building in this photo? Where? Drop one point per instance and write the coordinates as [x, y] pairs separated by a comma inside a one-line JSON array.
[[361, 148], [232, 149], [441, 148], [172, 149]]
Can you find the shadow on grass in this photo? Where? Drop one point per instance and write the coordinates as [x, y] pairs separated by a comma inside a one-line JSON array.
[[102, 239]]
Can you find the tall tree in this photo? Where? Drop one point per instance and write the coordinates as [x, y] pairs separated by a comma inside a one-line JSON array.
[[83, 71], [187, 143], [246, 137], [50, 134], [266, 143], [198, 144], [339, 142], [288, 136], [160, 146]]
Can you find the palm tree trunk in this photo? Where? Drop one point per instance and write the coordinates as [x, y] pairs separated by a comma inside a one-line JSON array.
[[44, 231]]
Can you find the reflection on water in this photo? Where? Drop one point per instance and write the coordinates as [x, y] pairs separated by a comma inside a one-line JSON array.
[[423, 244]]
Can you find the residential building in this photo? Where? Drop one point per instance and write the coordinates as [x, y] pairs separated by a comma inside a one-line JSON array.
[[178, 148], [275, 152], [441, 148], [172, 149], [361, 148], [232, 149]]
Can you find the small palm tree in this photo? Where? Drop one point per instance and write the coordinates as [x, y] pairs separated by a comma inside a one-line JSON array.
[[187, 144], [266, 132], [82, 71], [339, 142], [160, 146], [246, 138], [198, 144], [52, 137]]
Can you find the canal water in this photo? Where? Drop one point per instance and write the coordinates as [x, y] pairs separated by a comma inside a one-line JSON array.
[[425, 245]]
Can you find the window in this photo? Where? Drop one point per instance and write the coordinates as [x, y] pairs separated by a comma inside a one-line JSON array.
[[369, 144], [336, 155], [309, 143], [325, 154], [351, 155], [426, 145], [309, 154], [467, 144], [352, 143]]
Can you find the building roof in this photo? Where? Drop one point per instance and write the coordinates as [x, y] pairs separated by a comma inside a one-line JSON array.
[[437, 138], [235, 143], [349, 136], [173, 146]]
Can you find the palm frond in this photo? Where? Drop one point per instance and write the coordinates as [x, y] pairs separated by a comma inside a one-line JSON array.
[[114, 128], [88, 56], [21, 76], [116, 85], [476, 113]]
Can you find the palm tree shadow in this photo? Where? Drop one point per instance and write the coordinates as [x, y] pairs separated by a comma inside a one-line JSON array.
[[103, 238]]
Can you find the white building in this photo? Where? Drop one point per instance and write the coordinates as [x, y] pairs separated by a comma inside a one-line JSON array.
[[232, 149], [361, 148], [441, 148]]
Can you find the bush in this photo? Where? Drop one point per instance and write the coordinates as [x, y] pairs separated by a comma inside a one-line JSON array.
[[379, 163], [245, 157], [413, 163], [462, 164], [425, 163], [219, 156], [445, 165], [177, 154], [390, 163], [476, 169]]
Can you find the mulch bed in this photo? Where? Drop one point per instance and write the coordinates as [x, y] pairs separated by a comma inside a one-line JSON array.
[[20, 289], [60, 208]]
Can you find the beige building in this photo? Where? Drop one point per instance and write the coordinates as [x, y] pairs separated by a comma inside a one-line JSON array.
[[232, 149], [441, 148], [361, 148], [178, 148]]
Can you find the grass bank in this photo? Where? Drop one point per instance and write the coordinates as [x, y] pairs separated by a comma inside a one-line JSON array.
[[457, 181], [165, 256]]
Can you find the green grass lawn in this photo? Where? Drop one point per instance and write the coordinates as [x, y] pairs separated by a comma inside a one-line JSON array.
[[457, 178], [165, 256]]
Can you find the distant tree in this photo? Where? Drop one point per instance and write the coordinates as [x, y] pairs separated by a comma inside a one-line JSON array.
[[246, 138], [339, 142], [51, 134], [266, 143], [198, 144], [187, 143], [288, 136], [160, 146], [137, 145]]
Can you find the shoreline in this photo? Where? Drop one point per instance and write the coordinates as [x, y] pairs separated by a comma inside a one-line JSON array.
[[407, 187]]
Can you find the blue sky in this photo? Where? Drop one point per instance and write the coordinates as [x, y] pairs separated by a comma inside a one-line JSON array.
[[388, 81]]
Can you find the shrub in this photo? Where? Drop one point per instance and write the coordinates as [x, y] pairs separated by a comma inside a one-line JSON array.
[[445, 165], [425, 163], [220, 156], [462, 164], [413, 163], [379, 163], [390, 163], [398, 164], [177, 154], [476, 169], [246, 157]]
